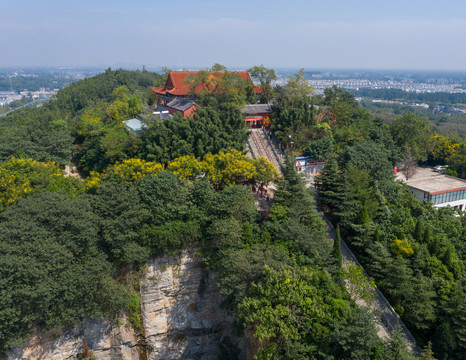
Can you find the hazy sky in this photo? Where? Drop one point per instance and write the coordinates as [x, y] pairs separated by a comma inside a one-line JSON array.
[[396, 34]]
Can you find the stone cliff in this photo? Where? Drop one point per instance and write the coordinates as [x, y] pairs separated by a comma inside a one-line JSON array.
[[182, 319]]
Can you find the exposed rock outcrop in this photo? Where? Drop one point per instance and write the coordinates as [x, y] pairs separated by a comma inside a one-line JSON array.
[[93, 337], [182, 319], [181, 308]]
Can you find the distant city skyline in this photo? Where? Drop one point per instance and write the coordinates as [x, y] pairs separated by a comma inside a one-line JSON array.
[[361, 34]]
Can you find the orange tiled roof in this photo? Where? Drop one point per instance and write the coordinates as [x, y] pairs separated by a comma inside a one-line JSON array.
[[178, 82]]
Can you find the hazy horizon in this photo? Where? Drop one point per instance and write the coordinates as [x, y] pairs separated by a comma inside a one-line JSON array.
[[335, 35]]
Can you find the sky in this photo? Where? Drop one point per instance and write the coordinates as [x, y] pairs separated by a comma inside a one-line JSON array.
[[330, 34]]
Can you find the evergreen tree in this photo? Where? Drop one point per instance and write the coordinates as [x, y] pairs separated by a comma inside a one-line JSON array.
[[397, 346], [459, 326], [434, 247], [418, 231], [376, 235], [448, 258], [364, 216], [419, 302], [380, 258], [330, 185], [336, 252], [397, 280], [445, 341], [426, 236], [427, 353]]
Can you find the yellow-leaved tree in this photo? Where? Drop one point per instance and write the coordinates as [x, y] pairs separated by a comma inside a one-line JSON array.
[[225, 168], [442, 148], [128, 171], [19, 177], [402, 248], [186, 167], [264, 172], [228, 168]]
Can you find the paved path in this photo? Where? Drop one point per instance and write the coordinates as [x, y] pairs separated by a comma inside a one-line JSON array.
[[261, 144], [387, 323]]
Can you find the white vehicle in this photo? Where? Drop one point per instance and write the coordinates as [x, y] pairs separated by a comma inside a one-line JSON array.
[[440, 168]]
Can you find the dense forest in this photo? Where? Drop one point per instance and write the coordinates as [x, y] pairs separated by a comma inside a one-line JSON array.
[[72, 247], [416, 253]]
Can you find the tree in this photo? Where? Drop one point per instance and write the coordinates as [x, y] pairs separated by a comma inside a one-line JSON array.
[[173, 221], [358, 284], [336, 252], [228, 168], [364, 216], [445, 341], [427, 353], [219, 88], [37, 133], [20, 177], [218, 68], [411, 134], [265, 77], [164, 77], [52, 272], [225, 235], [239, 268], [418, 231], [285, 309], [122, 215], [297, 87], [373, 158], [235, 201], [397, 280], [265, 172], [342, 105], [459, 325], [297, 222], [186, 167], [397, 346], [320, 148], [409, 166], [427, 238], [355, 336], [294, 117], [420, 302], [128, 171], [329, 184], [165, 197], [376, 235], [380, 257], [208, 131]]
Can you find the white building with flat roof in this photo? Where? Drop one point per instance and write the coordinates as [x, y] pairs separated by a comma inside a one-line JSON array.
[[441, 190]]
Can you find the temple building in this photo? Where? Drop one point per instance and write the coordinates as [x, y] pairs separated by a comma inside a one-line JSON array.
[[258, 115], [180, 90], [185, 107], [187, 84]]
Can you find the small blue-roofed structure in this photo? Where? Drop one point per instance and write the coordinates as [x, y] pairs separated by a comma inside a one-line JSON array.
[[134, 125], [309, 165]]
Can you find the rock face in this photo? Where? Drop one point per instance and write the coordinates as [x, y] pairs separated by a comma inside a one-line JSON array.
[[93, 337], [181, 314], [181, 309]]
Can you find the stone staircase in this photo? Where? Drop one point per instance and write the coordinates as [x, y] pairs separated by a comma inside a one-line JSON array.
[[261, 144]]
